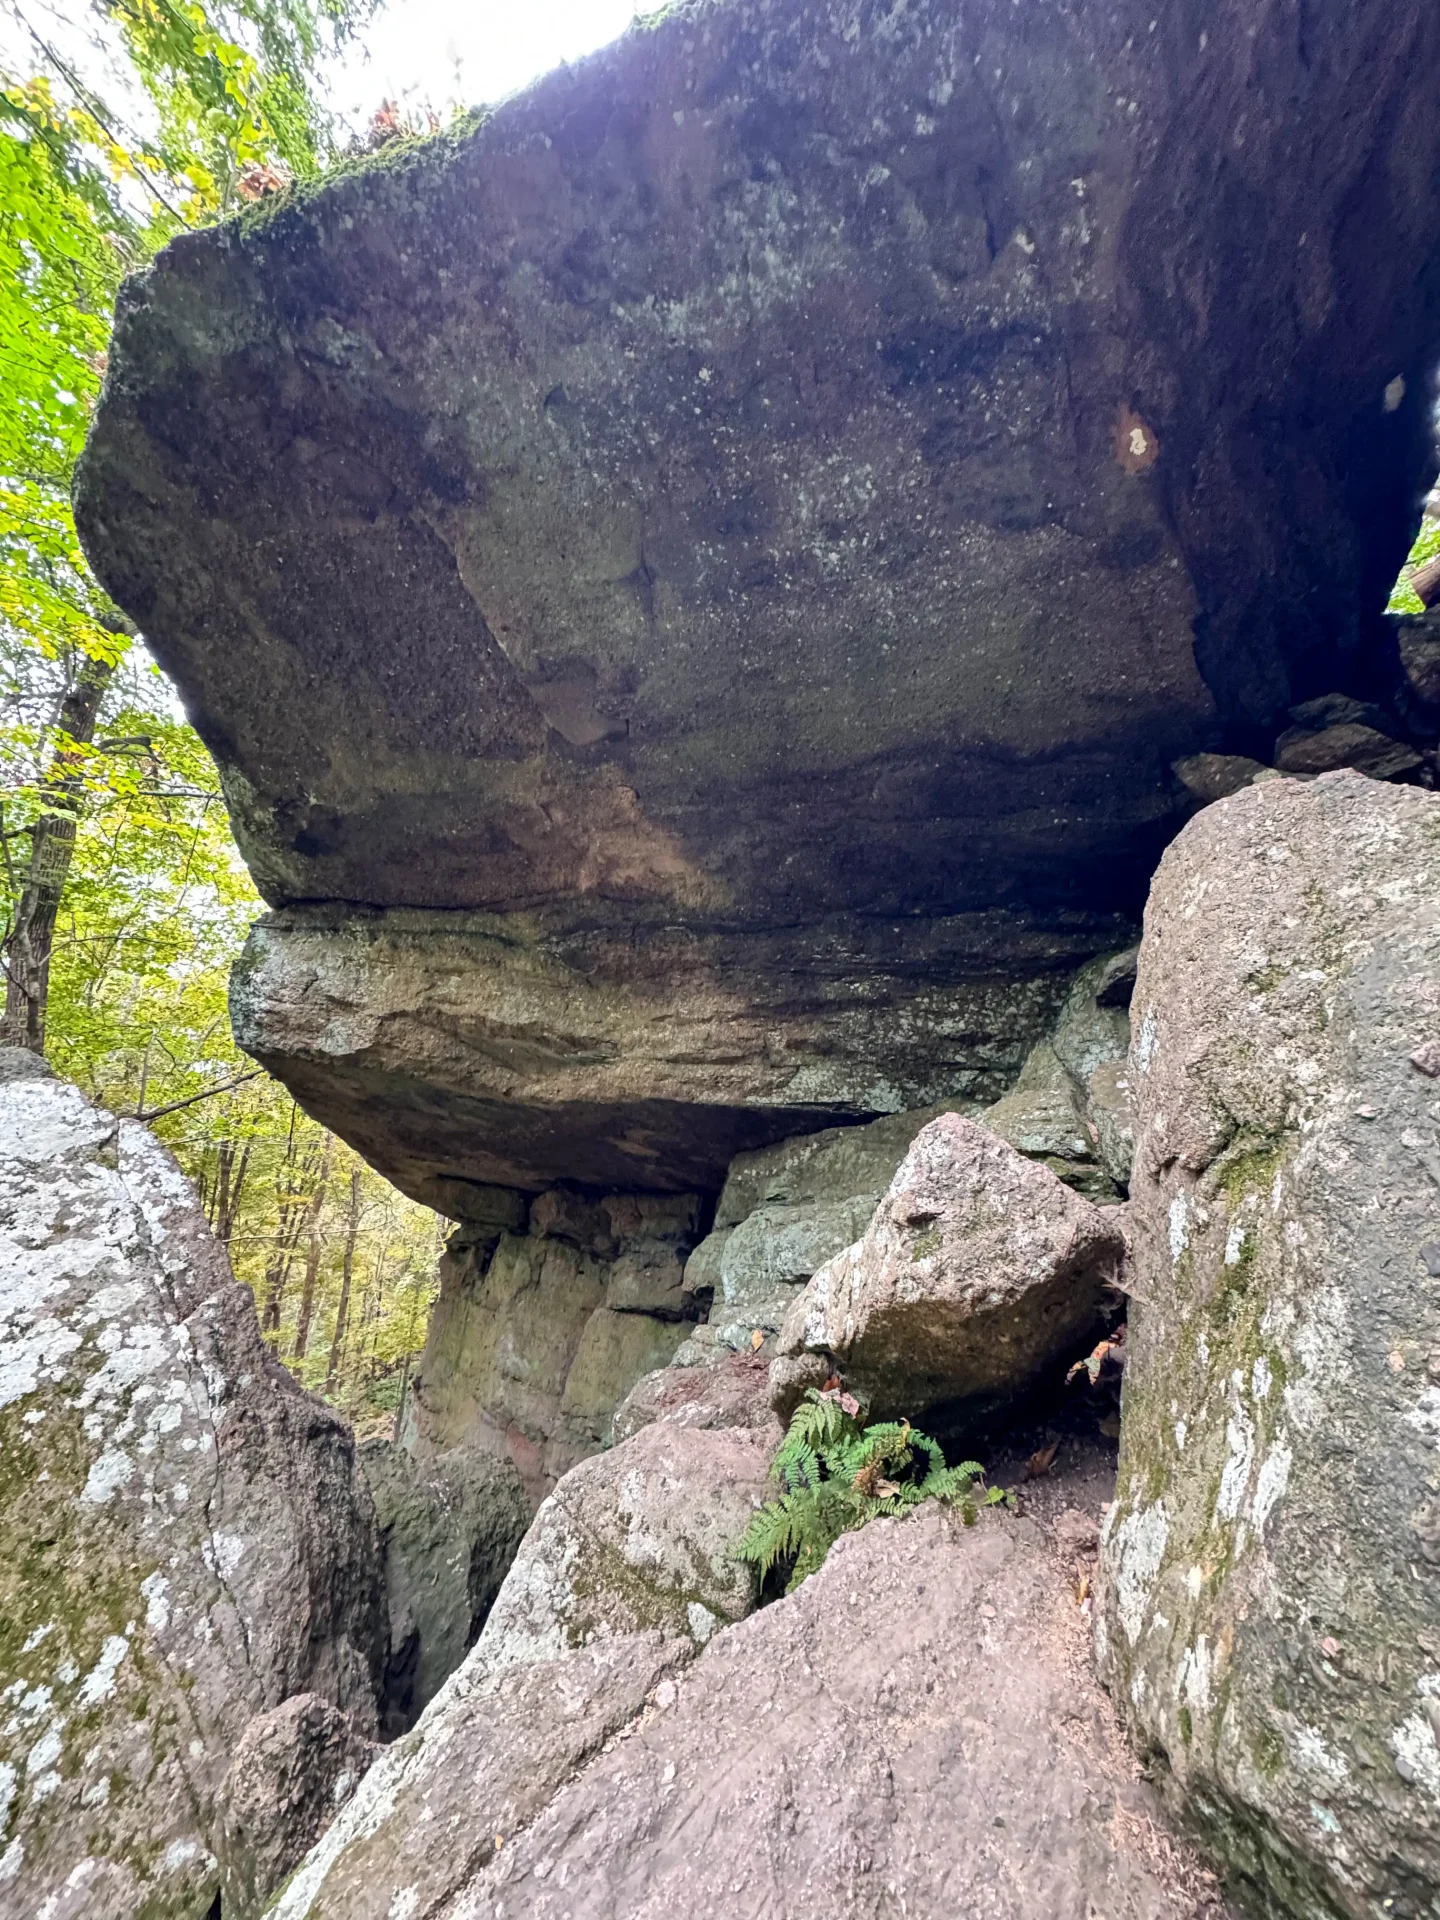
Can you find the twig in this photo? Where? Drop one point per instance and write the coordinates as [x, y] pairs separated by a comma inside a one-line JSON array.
[[175, 1105]]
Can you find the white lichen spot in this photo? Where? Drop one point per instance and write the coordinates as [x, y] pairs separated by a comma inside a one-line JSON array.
[[47, 1749], [1313, 1756], [32, 1641], [1181, 1431], [224, 1552], [1179, 1227], [155, 1590], [1261, 1378], [1194, 1676], [1239, 1458], [1145, 1042], [1414, 1744], [1140, 1541], [1414, 1741], [180, 1854], [99, 1683], [1194, 1581], [1235, 1244], [11, 1861], [29, 1354], [1424, 1416], [702, 1622], [111, 1471], [1270, 1484], [7, 1791]]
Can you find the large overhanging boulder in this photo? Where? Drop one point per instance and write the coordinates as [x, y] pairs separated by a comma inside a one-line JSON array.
[[787, 488]]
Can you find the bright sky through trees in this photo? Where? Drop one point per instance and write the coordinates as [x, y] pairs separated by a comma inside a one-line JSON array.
[[467, 52], [438, 53]]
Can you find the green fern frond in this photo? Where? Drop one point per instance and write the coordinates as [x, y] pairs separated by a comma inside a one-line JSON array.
[[818, 1421], [835, 1474], [797, 1464]]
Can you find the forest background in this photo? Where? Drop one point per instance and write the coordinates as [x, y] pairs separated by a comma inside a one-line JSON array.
[[122, 897]]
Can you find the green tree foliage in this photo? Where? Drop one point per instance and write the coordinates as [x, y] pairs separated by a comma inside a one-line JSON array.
[[123, 896], [1404, 598], [156, 906], [836, 1472]]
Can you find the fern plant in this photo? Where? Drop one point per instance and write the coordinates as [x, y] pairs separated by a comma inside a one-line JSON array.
[[835, 1473]]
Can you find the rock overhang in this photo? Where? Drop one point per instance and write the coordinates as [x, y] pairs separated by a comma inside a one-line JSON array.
[[811, 465]]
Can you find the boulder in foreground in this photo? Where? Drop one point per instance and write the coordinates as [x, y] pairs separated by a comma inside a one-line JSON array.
[[1271, 1625], [185, 1538], [636, 1539], [914, 1731], [294, 1769]]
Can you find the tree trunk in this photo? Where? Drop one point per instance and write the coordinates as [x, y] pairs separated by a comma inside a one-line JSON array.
[[1426, 581], [347, 1274], [287, 1232], [31, 936], [312, 1258], [230, 1183]]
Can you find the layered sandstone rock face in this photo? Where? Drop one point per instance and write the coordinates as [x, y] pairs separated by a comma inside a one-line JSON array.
[[1270, 1625], [696, 582], [538, 1335]]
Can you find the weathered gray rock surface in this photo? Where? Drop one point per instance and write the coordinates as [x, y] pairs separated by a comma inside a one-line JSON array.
[[915, 1730], [744, 512], [637, 1539], [483, 1762], [626, 1572], [725, 1390], [784, 1211], [449, 1527], [294, 1769], [458, 1050], [1069, 1109], [185, 1539], [1271, 1627], [978, 1271]]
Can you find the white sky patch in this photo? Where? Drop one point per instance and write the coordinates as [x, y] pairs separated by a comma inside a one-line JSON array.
[[440, 54], [421, 53]]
